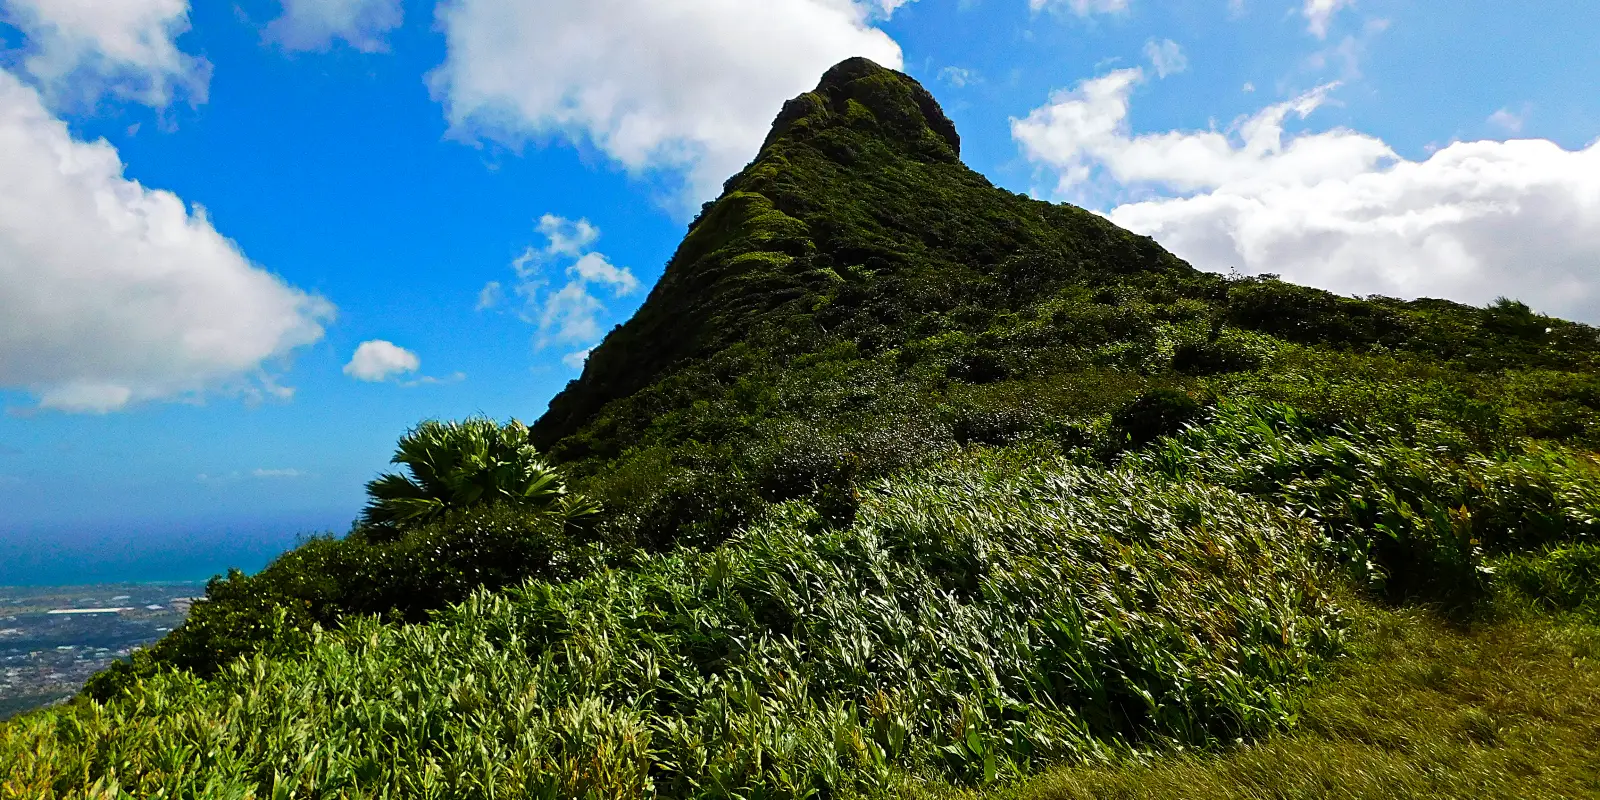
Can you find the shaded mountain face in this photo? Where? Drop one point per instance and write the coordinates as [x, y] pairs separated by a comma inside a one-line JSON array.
[[858, 301]]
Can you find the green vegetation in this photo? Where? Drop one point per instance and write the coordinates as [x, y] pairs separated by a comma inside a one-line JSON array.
[[459, 465], [1423, 709], [902, 484], [477, 509], [976, 620]]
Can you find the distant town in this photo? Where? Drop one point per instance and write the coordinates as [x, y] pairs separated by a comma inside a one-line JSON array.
[[52, 639]]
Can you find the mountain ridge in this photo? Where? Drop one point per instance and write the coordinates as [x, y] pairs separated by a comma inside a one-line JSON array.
[[911, 486], [857, 238], [771, 228]]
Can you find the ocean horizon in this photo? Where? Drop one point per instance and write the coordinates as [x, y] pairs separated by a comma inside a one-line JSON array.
[[154, 553]]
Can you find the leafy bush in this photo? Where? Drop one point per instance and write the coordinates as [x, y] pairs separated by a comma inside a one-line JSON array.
[[456, 465], [1418, 521], [326, 580], [1154, 414], [976, 620], [479, 509]]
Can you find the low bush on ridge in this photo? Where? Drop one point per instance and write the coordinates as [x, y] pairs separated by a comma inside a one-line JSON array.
[[976, 620], [1417, 520], [476, 507]]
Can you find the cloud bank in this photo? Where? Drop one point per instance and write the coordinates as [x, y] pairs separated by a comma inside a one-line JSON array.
[[112, 293], [677, 89], [1337, 209]]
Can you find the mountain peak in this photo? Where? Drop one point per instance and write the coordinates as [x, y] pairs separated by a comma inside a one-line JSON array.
[[861, 94], [856, 216]]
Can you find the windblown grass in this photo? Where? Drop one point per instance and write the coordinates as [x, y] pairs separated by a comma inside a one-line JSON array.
[[976, 622], [1423, 709]]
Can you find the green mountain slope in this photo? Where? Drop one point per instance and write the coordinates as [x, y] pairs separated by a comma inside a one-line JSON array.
[[858, 301], [911, 485]]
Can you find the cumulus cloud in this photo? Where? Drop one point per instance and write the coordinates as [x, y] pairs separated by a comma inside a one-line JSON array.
[[316, 24], [113, 293], [1319, 14], [78, 50], [1338, 208], [1086, 129], [1166, 57], [568, 315], [667, 89], [377, 361]]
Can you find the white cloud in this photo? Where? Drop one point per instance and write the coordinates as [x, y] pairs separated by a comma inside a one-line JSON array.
[[1166, 57], [490, 295], [664, 88], [567, 238], [959, 77], [315, 24], [577, 358], [80, 49], [1508, 120], [113, 293], [1086, 130], [594, 268], [1082, 8], [377, 361], [571, 314], [1339, 209], [1319, 13], [277, 473]]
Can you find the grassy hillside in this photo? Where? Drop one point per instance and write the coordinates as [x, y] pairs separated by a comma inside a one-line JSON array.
[[860, 302], [910, 485]]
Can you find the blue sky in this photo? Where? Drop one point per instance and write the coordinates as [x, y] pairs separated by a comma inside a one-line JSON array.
[[243, 246]]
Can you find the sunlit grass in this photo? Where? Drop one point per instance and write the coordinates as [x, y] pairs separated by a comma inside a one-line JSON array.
[[1424, 708]]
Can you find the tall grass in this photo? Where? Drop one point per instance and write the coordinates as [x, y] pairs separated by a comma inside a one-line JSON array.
[[975, 622], [1425, 709]]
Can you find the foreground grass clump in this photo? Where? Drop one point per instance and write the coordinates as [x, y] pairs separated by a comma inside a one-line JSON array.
[[975, 622], [1423, 709]]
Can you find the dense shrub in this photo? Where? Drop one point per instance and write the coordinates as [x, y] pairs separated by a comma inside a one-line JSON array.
[[326, 580], [477, 508], [1154, 414], [451, 466], [974, 621], [1426, 520]]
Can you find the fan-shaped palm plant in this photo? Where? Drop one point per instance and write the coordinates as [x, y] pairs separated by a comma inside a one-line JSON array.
[[454, 465]]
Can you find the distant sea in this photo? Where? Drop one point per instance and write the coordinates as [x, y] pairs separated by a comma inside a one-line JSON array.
[[172, 552]]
